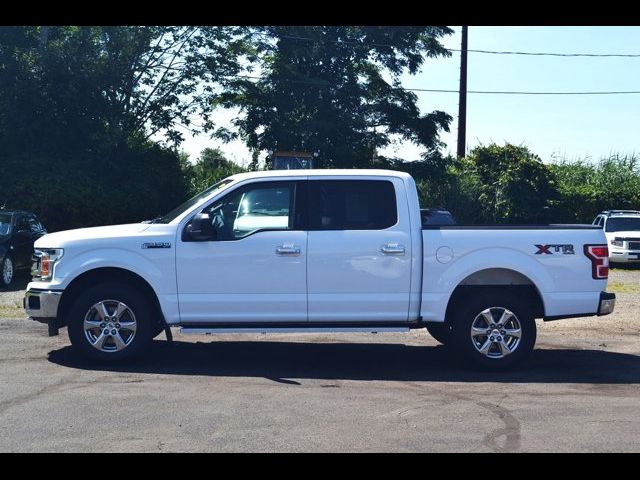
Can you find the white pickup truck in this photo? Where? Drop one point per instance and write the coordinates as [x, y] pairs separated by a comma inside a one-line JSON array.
[[316, 251]]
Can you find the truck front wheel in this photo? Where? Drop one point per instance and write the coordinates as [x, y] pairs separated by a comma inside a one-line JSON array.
[[440, 331], [110, 322], [493, 330]]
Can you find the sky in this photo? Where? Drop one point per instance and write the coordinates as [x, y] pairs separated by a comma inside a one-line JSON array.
[[553, 127]]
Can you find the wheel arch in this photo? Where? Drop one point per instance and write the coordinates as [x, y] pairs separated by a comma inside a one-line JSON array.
[[497, 279], [107, 274]]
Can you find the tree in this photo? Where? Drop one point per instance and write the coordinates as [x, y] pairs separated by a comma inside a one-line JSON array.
[[129, 81], [514, 186], [211, 167], [333, 90], [433, 174], [82, 109]]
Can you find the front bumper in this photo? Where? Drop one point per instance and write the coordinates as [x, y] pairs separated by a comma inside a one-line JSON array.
[[607, 303], [42, 304], [624, 256]]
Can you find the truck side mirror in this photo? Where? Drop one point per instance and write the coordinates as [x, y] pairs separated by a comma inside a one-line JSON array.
[[199, 229]]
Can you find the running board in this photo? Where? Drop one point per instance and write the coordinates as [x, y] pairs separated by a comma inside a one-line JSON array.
[[336, 329]]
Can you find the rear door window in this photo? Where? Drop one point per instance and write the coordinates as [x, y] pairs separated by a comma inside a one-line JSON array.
[[350, 205]]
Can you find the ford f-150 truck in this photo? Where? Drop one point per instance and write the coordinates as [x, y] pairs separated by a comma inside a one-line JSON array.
[[316, 251]]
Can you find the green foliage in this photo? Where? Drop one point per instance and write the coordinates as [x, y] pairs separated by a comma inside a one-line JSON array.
[[588, 188], [494, 184], [433, 173], [514, 185], [80, 105], [211, 167], [91, 118], [334, 90], [129, 184]]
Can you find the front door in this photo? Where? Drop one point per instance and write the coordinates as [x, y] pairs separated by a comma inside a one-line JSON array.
[[255, 269], [359, 253], [22, 241]]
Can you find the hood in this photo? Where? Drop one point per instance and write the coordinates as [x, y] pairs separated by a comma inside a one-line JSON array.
[[66, 237]]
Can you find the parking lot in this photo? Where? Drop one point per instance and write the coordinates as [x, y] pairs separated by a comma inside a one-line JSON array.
[[389, 392]]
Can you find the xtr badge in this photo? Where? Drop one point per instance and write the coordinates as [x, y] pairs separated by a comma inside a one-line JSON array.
[[566, 249]]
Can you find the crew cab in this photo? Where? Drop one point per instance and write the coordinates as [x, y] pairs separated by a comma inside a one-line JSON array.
[[622, 229], [316, 251]]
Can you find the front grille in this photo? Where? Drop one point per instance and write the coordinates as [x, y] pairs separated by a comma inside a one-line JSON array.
[[634, 245]]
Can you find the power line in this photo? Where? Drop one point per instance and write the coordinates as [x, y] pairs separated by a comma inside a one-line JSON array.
[[442, 90], [491, 52], [552, 54], [495, 92]]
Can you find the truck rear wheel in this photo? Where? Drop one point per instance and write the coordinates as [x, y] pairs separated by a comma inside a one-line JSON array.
[[110, 322], [493, 330]]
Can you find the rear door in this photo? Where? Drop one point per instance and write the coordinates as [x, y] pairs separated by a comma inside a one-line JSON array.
[[359, 249]]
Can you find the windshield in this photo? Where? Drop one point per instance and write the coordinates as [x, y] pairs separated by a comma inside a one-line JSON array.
[[176, 212], [622, 224], [5, 224]]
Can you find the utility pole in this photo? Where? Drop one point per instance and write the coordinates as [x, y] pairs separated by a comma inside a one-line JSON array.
[[462, 102], [44, 36]]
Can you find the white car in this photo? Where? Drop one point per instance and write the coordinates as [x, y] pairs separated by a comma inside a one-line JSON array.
[[622, 229], [316, 251]]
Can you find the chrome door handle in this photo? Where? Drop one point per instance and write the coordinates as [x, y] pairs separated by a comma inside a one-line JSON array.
[[392, 249], [289, 250]]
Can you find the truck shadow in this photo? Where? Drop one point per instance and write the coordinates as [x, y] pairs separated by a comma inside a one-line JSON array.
[[281, 361]]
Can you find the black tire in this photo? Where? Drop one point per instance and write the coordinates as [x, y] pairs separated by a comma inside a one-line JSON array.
[[464, 316], [138, 304], [440, 331], [7, 258], [157, 330]]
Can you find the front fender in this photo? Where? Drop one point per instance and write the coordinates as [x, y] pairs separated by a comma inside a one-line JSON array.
[[155, 266], [70, 268]]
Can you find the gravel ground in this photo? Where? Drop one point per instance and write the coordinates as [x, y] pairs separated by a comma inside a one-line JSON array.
[[390, 392]]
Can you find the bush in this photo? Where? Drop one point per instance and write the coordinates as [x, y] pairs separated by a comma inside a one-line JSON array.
[[588, 188], [503, 184], [80, 189]]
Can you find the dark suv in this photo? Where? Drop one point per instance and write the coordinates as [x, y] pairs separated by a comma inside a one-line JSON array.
[[436, 216], [18, 231]]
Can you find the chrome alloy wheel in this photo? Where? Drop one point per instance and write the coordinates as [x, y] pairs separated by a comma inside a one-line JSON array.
[[7, 270], [496, 332], [110, 326]]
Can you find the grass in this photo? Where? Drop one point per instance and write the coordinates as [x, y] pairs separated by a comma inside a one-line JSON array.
[[622, 287], [10, 311]]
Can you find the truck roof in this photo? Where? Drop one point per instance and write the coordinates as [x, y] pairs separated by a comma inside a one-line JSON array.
[[321, 172], [610, 213], [14, 212]]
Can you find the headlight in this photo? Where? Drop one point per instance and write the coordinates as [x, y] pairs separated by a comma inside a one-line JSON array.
[[44, 260], [617, 243]]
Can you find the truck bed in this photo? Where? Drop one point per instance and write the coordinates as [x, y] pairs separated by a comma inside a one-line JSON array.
[[549, 257]]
